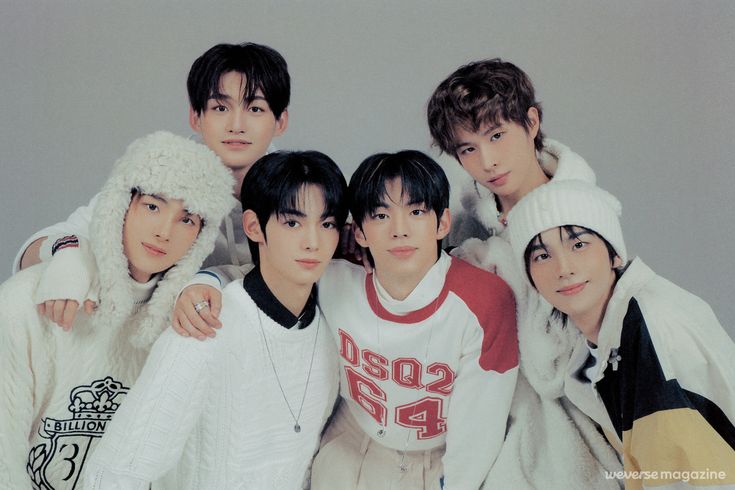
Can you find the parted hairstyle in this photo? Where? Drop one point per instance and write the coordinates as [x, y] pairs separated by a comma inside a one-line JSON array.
[[480, 93], [262, 67], [273, 185]]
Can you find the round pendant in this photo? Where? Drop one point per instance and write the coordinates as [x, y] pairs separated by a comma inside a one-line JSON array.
[[381, 433], [297, 428], [403, 467]]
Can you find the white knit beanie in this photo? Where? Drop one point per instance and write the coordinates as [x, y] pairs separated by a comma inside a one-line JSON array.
[[171, 166], [566, 202]]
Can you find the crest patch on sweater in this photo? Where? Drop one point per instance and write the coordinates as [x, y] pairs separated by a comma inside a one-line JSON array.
[[70, 439]]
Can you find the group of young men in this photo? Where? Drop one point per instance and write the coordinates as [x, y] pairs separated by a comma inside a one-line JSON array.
[[498, 363]]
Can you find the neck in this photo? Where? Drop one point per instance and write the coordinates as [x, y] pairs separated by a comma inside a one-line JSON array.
[[590, 323], [399, 286], [292, 296], [536, 179], [239, 175]]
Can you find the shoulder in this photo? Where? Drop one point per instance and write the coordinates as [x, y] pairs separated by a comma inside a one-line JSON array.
[[477, 287], [559, 161], [341, 273], [662, 300], [16, 294]]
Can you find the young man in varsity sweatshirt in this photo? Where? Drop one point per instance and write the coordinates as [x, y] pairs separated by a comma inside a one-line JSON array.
[[157, 219], [428, 346], [245, 409]]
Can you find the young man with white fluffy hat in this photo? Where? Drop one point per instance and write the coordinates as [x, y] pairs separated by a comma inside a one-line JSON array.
[[155, 221]]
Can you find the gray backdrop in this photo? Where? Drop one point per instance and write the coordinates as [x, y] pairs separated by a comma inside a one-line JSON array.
[[642, 90]]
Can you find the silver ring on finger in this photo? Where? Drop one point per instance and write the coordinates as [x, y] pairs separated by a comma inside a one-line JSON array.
[[201, 305]]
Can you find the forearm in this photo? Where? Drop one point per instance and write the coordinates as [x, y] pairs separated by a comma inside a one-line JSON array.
[[31, 255], [149, 431]]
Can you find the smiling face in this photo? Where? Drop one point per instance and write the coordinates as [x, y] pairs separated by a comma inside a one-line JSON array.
[[157, 233], [237, 130], [572, 269], [502, 158], [402, 236], [297, 244]]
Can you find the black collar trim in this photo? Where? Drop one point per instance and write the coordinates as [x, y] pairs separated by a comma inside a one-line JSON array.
[[255, 286]]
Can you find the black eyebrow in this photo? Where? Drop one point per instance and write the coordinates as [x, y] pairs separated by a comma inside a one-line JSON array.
[[573, 234], [537, 246], [292, 212]]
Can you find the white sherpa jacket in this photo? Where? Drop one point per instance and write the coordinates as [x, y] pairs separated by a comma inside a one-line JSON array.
[[549, 444], [58, 390]]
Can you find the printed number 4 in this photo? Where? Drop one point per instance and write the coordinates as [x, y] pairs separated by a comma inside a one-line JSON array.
[[423, 415]]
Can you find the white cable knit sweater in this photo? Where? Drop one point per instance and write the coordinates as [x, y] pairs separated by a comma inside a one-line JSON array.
[[58, 389], [210, 415]]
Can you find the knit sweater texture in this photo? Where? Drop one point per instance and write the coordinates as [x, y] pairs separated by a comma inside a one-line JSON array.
[[211, 415]]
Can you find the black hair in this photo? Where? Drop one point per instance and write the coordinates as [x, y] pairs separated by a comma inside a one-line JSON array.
[[572, 233], [422, 181], [274, 184], [263, 67]]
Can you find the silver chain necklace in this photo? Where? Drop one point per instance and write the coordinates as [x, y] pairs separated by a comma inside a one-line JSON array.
[[296, 418], [402, 465]]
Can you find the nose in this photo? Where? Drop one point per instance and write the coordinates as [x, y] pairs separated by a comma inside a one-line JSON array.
[[237, 121], [488, 160], [399, 226], [163, 229], [310, 238], [565, 265]]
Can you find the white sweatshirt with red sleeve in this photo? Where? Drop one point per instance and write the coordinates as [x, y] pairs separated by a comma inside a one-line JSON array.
[[437, 368]]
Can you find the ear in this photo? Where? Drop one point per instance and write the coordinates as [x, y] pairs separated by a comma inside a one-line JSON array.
[[359, 235], [533, 122], [617, 262], [281, 123], [444, 224], [251, 226], [194, 121]]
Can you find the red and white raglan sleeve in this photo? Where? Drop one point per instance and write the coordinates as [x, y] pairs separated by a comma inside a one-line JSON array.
[[484, 387]]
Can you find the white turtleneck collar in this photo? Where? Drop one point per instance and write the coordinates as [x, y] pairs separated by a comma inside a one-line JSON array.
[[142, 291], [424, 293]]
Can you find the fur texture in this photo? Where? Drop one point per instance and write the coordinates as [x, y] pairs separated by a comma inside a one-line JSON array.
[[168, 165]]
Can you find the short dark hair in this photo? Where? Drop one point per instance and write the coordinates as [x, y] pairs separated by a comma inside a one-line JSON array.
[[274, 184], [263, 67], [478, 93], [422, 179]]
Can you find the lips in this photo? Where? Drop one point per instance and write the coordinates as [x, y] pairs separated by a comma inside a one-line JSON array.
[[572, 289], [499, 179], [153, 250], [235, 143], [308, 263], [403, 251]]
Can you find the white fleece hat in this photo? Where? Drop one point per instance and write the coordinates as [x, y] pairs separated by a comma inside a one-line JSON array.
[[565, 202], [168, 165]]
